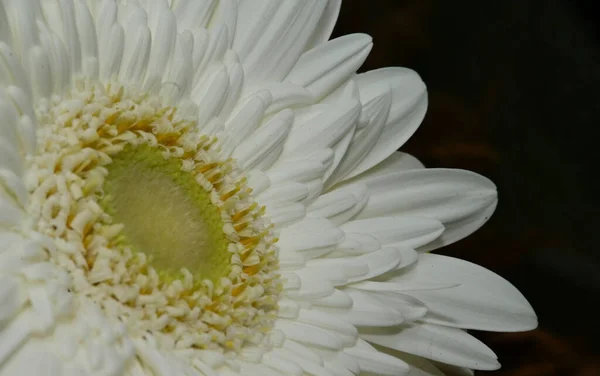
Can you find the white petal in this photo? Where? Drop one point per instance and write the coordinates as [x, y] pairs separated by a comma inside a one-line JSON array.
[[461, 200], [276, 51], [480, 300], [163, 29], [137, 47], [418, 365], [192, 14], [342, 365], [88, 40], [372, 361], [324, 130], [5, 33], [338, 299], [304, 352], [308, 334], [247, 116], [336, 277], [12, 184], [367, 311], [396, 162], [10, 295], [236, 82], [311, 289], [327, 66], [14, 334], [210, 93], [286, 366], [298, 170], [283, 193], [34, 361], [212, 47], [10, 214], [175, 78], [111, 46], [225, 17], [341, 270], [411, 232], [264, 146], [286, 95], [60, 16], [409, 308], [378, 262], [308, 234], [450, 370], [310, 366], [364, 140], [287, 215], [327, 321], [9, 158], [255, 20], [409, 104], [447, 345], [22, 17], [340, 204], [325, 26]]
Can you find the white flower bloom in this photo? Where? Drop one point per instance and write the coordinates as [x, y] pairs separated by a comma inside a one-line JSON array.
[[203, 187]]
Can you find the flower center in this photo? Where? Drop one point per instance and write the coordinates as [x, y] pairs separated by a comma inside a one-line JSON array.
[[150, 221], [165, 214]]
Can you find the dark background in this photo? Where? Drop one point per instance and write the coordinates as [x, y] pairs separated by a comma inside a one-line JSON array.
[[514, 89]]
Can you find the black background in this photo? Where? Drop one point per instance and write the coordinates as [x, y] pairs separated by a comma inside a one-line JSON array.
[[514, 95]]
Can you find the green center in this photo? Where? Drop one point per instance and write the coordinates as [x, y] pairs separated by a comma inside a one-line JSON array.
[[166, 214]]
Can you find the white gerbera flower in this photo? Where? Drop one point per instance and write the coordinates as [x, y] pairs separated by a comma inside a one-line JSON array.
[[208, 188]]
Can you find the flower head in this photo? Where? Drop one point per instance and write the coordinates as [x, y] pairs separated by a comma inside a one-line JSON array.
[[208, 188]]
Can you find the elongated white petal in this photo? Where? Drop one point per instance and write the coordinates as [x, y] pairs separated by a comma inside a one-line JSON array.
[[264, 146], [367, 311], [376, 112], [277, 49], [450, 370], [447, 345], [136, 52], [418, 366], [372, 361], [163, 28], [460, 200], [480, 299], [409, 104], [324, 130], [325, 26], [406, 231], [396, 162], [340, 204], [325, 67], [192, 14], [309, 334], [210, 93]]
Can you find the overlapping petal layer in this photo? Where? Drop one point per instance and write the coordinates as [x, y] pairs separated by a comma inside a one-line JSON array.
[[318, 144]]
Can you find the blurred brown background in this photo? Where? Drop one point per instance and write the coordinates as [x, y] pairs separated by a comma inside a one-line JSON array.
[[514, 90]]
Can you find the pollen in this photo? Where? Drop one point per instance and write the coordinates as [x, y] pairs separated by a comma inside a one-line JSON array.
[[151, 221]]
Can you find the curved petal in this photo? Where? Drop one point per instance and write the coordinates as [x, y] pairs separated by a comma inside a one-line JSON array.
[[418, 366], [409, 104], [461, 200], [375, 362], [397, 231], [270, 54], [324, 68], [479, 300], [447, 345], [396, 162], [324, 27]]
